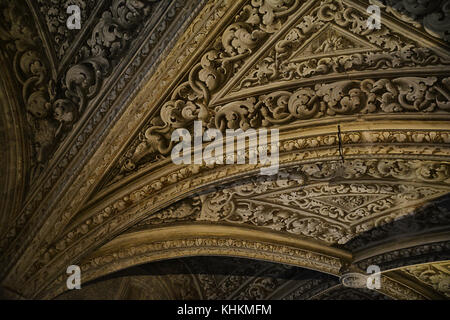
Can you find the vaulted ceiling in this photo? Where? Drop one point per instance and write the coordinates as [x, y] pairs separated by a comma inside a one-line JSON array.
[[86, 122]]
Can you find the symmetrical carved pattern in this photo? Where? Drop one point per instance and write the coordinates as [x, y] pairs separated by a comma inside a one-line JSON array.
[[319, 45], [190, 101], [408, 94], [297, 202], [302, 52]]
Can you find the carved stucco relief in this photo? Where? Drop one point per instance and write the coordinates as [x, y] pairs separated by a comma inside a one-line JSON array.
[[436, 275], [420, 95], [55, 103], [333, 213], [147, 53], [217, 68], [380, 169], [333, 39]]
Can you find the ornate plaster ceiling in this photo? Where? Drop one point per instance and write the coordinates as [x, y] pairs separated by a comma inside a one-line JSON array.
[[219, 278], [87, 117]]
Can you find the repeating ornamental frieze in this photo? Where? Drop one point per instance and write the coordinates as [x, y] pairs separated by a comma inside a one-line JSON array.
[[101, 265], [348, 97], [377, 140], [333, 213], [334, 38], [305, 50]]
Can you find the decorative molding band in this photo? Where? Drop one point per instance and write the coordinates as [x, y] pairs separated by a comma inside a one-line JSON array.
[[131, 208], [186, 240]]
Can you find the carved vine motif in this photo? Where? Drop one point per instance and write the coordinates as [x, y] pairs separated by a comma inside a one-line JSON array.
[[314, 211], [332, 213], [397, 290], [55, 14], [190, 100], [53, 106], [436, 275], [433, 15], [332, 50], [408, 94]]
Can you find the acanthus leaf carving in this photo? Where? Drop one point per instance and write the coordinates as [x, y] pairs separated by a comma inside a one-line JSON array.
[[346, 25], [334, 35], [54, 105]]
